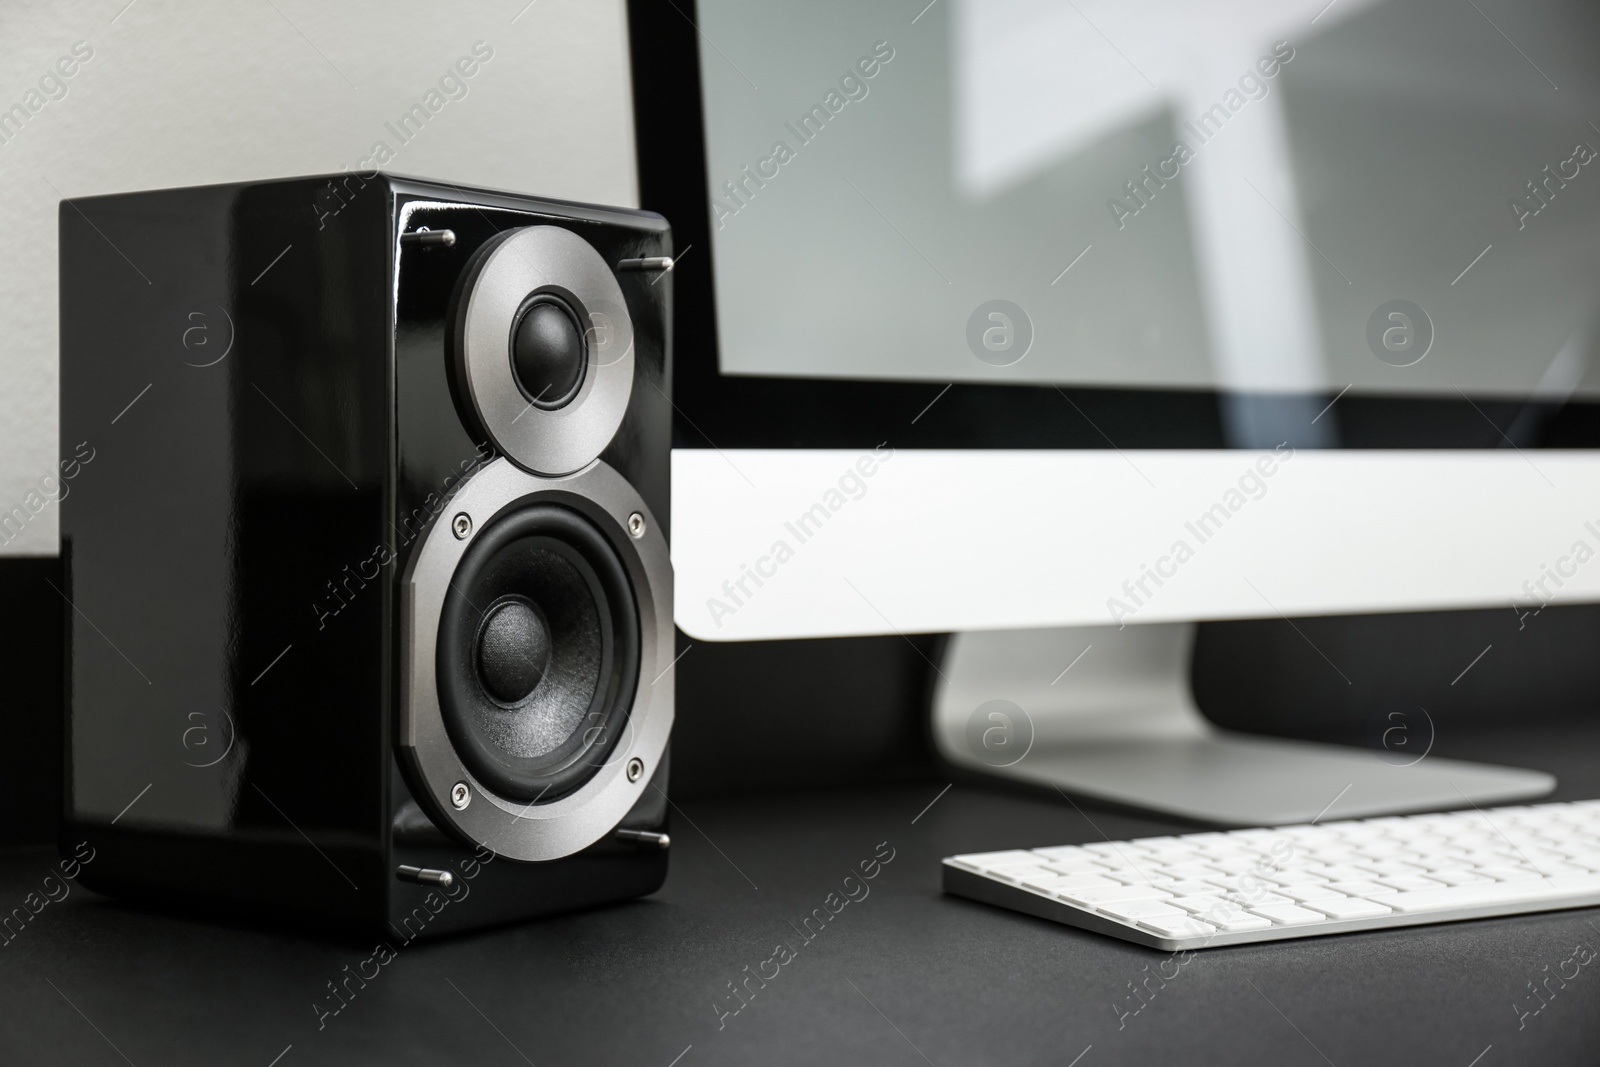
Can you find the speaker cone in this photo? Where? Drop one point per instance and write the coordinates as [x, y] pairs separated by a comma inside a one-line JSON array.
[[538, 653]]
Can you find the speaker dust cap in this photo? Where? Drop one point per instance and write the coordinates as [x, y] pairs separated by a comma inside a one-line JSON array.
[[543, 348]]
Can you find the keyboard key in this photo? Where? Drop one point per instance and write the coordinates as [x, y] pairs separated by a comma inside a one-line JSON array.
[[983, 861], [1560, 870], [1349, 908], [995, 859], [1539, 856], [1510, 874], [1334, 852], [1134, 910], [1233, 850], [1067, 881], [1300, 894], [1363, 889], [1442, 899], [1187, 870], [1083, 861], [1239, 921], [1408, 883], [1483, 857], [1093, 896], [1458, 876], [1054, 852], [1188, 888], [1548, 889], [1202, 903], [1291, 877], [1184, 926], [1287, 914], [1017, 872], [1395, 867], [1234, 882], [1381, 846], [1434, 859], [1223, 914]]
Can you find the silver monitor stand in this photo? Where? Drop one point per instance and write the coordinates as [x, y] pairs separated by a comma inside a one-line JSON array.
[[1108, 713]]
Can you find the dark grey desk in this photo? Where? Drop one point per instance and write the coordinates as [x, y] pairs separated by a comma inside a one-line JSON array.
[[903, 976]]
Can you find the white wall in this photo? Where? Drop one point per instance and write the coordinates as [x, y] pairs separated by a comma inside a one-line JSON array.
[[189, 94]]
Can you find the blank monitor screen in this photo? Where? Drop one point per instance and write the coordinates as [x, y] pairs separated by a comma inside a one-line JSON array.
[[1267, 195]]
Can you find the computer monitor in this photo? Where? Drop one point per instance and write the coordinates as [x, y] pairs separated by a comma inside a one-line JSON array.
[[1059, 327]]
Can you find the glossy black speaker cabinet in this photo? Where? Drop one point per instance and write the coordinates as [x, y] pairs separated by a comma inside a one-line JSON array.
[[366, 546]]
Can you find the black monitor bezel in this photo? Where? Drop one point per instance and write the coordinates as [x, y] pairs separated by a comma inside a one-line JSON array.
[[716, 410]]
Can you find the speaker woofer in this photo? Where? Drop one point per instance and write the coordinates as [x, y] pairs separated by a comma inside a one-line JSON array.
[[538, 653], [512, 746]]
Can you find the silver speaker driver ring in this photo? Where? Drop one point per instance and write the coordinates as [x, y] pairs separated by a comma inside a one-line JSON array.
[[515, 828], [500, 280]]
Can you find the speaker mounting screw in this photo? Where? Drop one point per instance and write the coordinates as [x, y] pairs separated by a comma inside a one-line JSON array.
[[460, 795], [635, 769], [636, 525], [462, 525]]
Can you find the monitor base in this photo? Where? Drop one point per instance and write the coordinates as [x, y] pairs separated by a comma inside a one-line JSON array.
[[1108, 713]]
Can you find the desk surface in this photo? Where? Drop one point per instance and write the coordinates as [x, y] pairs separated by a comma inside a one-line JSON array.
[[904, 975]]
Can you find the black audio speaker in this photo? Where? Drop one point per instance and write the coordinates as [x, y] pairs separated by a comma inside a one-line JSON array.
[[366, 551]]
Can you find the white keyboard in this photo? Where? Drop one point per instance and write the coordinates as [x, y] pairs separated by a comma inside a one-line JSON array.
[[1213, 889]]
